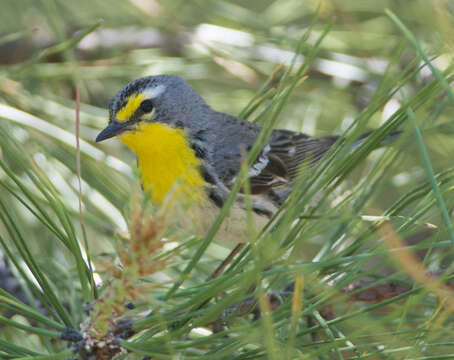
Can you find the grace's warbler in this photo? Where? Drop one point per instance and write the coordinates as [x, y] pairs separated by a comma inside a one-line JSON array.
[[180, 140]]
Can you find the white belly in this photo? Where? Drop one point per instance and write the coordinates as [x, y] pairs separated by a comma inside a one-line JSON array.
[[197, 219]]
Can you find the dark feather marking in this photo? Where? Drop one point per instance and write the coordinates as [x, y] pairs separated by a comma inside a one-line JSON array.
[[207, 176], [262, 211], [199, 135], [216, 198], [199, 150]]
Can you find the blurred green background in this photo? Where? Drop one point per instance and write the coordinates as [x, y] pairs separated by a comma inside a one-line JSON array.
[[226, 50]]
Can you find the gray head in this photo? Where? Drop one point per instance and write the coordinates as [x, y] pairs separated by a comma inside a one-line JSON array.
[[166, 99]]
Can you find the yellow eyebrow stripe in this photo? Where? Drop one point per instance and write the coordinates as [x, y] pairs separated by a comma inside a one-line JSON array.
[[130, 108]]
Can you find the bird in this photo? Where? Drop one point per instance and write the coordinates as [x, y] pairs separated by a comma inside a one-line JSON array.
[[187, 150]]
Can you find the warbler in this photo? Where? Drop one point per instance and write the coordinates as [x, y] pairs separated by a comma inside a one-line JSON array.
[[187, 149]]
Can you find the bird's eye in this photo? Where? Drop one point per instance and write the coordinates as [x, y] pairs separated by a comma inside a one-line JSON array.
[[146, 106]]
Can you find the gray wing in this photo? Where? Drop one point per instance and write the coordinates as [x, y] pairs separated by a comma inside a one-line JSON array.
[[282, 157], [278, 162]]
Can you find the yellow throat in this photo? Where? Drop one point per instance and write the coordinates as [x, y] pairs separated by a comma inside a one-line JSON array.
[[165, 160]]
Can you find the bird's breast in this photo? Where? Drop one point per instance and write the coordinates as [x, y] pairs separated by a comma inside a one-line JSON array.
[[166, 161]]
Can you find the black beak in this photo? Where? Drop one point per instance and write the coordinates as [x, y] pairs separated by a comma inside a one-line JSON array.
[[113, 129]]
